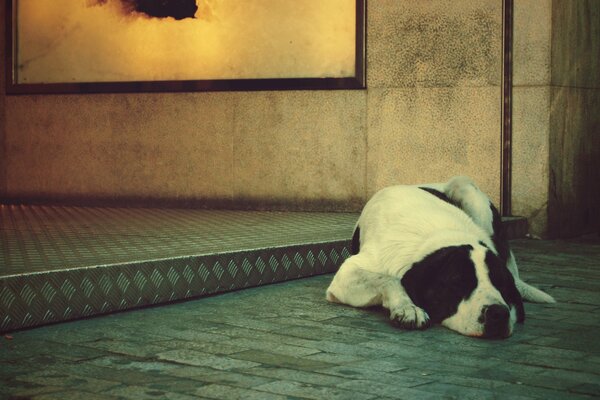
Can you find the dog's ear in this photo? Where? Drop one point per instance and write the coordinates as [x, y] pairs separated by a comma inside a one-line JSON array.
[[426, 279], [503, 280], [415, 280]]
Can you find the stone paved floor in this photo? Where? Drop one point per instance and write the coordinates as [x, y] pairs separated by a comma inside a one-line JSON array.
[[284, 341]]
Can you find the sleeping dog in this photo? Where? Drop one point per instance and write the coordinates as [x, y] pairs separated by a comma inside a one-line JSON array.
[[435, 253]]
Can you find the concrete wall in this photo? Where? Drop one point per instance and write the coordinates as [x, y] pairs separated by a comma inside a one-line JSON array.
[[531, 111], [556, 137], [432, 110], [434, 73], [575, 118]]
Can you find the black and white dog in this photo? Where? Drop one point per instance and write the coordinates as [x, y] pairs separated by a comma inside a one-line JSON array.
[[435, 253]]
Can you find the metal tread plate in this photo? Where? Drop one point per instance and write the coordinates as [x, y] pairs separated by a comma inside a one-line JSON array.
[[63, 263]]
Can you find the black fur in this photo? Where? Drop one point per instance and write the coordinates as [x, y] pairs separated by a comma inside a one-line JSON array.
[[355, 246], [503, 280], [440, 195], [499, 237], [440, 281]]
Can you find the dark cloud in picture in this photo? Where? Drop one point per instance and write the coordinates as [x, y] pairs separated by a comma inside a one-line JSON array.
[[178, 9]]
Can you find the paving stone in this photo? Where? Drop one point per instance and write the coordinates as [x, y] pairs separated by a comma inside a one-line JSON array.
[[355, 350], [104, 327], [431, 355], [52, 378], [216, 391], [145, 392], [390, 364], [18, 349], [271, 347], [574, 378], [108, 374], [257, 324], [130, 348], [196, 358], [587, 388], [519, 385], [221, 348], [190, 334], [308, 391], [320, 334], [261, 357], [536, 392], [18, 389], [125, 363], [465, 393], [281, 373], [73, 395], [282, 338], [236, 379], [383, 390], [334, 358], [393, 378]]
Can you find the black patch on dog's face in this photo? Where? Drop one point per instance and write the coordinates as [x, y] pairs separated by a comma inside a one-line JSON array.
[[503, 280], [440, 281]]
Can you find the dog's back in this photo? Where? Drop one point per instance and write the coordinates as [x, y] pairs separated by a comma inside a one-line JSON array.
[[399, 223]]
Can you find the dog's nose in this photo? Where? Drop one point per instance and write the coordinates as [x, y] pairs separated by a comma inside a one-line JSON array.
[[495, 321]]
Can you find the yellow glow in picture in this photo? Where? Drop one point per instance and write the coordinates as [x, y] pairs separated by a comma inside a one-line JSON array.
[[71, 41]]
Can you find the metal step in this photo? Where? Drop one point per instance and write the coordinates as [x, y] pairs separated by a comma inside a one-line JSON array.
[[63, 263]]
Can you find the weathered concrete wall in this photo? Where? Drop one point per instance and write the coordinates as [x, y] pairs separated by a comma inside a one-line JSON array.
[[575, 119], [531, 111], [432, 110], [556, 136], [434, 71]]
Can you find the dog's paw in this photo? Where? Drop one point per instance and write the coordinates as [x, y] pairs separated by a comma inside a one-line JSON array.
[[410, 317]]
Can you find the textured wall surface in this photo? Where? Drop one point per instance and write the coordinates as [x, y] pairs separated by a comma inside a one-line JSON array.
[[556, 135], [531, 111], [575, 119], [434, 71], [432, 110]]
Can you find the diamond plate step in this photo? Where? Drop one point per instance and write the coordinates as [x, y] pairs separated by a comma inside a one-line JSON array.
[[64, 263]]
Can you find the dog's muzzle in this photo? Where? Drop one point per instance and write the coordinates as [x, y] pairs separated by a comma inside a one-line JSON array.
[[496, 320]]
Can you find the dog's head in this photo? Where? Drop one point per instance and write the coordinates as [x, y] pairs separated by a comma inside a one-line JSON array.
[[468, 289]]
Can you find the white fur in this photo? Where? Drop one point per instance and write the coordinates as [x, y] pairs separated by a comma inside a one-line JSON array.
[[401, 225], [485, 293]]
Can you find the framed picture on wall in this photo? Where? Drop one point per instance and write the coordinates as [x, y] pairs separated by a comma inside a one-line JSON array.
[[94, 46]]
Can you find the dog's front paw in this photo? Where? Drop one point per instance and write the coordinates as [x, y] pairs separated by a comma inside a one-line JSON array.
[[410, 317]]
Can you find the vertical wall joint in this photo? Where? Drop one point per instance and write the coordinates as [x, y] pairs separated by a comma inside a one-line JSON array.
[[506, 131]]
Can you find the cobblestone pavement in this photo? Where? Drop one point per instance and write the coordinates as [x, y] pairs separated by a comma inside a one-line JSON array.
[[285, 341]]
